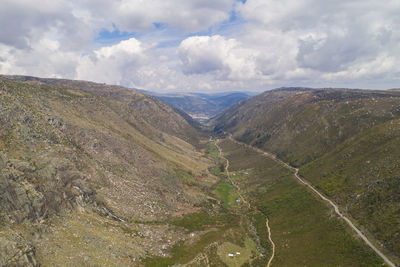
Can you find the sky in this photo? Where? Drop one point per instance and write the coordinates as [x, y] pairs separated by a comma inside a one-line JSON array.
[[205, 45]]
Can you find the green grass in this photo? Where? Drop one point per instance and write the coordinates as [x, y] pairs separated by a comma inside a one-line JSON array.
[[213, 154], [217, 225], [247, 252], [182, 253], [203, 220], [217, 171], [227, 193], [212, 151], [185, 177]]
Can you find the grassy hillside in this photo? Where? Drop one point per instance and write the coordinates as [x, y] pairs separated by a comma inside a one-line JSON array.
[[305, 231], [344, 141], [84, 166], [362, 174], [301, 124]]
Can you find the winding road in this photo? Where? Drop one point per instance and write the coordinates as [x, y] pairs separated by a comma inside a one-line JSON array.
[[335, 207], [238, 190]]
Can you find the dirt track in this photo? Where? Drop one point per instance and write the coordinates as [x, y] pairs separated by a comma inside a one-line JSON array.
[[238, 190]]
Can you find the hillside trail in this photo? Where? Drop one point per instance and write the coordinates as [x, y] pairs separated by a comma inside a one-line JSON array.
[[243, 199], [307, 184]]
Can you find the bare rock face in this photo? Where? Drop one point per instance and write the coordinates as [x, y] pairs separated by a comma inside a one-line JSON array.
[[15, 252], [19, 199], [30, 190]]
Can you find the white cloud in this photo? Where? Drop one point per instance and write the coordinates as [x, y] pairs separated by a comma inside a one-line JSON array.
[[226, 58], [116, 64], [270, 12], [324, 41], [272, 43], [26, 22], [141, 15], [42, 59], [190, 16], [276, 51], [380, 67]]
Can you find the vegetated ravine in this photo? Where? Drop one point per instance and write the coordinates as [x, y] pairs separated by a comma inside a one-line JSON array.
[[99, 175]]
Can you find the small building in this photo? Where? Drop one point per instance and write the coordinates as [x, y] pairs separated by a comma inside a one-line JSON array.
[[237, 253], [231, 255]]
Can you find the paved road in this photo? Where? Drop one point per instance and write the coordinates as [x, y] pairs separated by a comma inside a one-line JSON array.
[[335, 207], [238, 190]]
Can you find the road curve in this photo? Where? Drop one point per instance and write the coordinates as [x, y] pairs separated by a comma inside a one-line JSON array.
[[246, 202], [335, 207]]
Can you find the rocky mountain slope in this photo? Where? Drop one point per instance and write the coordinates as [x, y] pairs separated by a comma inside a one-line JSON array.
[[346, 142], [78, 160]]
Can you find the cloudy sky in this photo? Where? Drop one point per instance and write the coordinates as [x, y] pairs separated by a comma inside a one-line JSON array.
[[205, 45]]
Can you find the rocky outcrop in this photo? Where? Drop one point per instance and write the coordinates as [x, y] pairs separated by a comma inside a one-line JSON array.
[[15, 252]]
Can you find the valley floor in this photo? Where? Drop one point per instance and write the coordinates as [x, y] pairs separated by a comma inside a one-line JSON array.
[[305, 231], [264, 217], [243, 199], [334, 206]]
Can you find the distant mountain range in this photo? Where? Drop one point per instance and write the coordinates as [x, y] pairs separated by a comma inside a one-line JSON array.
[[201, 106]]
